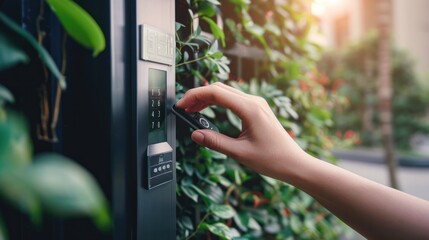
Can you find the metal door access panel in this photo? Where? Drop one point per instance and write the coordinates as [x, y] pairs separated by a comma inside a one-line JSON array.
[[155, 142]]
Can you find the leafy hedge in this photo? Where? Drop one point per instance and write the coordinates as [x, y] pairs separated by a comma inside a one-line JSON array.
[[356, 66], [217, 197]]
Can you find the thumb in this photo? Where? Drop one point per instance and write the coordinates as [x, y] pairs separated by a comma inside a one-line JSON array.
[[215, 141]]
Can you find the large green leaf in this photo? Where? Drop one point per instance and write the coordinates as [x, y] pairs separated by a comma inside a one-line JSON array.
[[215, 29], [67, 189], [43, 54], [17, 192], [15, 143], [222, 211], [10, 53], [219, 229], [79, 24], [206, 9], [214, 193]]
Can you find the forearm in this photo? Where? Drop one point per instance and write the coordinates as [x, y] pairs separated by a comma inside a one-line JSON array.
[[374, 210]]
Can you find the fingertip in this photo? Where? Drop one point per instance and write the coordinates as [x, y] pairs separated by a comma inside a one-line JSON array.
[[179, 103], [198, 137]]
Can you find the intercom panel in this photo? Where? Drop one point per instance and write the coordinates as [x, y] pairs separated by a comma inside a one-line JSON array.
[[155, 158], [159, 162]]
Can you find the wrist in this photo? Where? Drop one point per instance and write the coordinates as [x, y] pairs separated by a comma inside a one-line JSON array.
[[300, 170]]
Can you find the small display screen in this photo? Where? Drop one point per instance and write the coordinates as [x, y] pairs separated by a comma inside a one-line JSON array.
[[157, 110]]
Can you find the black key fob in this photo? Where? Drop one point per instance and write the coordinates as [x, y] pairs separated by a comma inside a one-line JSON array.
[[196, 120]]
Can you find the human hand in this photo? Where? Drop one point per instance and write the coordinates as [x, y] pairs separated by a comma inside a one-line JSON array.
[[263, 144]]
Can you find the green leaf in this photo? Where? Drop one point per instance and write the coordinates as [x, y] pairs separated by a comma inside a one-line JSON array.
[[216, 30], [255, 30], [185, 56], [214, 193], [208, 112], [206, 153], [178, 56], [272, 227], [273, 28], [221, 180], [214, 2], [295, 223], [5, 96], [222, 211], [321, 113], [199, 191], [206, 9], [15, 190], [218, 229], [217, 55], [187, 222], [10, 53], [66, 189], [15, 144], [216, 169], [271, 181], [43, 54], [179, 26], [189, 168], [190, 193], [253, 224], [237, 177], [234, 119], [79, 24], [214, 47], [242, 220], [216, 155]]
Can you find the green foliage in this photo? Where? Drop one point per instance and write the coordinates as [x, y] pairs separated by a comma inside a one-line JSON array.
[[43, 54], [48, 183], [409, 103], [5, 96], [10, 53], [15, 144], [217, 197], [356, 66], [79, 24]]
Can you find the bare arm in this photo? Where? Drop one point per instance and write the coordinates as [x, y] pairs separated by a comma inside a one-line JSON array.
[[374, 210]]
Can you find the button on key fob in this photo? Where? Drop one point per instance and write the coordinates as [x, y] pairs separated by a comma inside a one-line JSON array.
[[196, 120]]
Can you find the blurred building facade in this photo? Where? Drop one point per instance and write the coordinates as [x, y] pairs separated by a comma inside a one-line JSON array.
[[345, 21]]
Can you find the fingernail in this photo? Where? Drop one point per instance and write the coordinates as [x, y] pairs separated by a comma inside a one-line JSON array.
[[198, 137]]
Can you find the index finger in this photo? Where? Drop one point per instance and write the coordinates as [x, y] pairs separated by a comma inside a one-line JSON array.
[[199, 98]]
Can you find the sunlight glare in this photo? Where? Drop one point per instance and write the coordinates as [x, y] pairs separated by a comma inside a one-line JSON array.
[[319, 7]]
